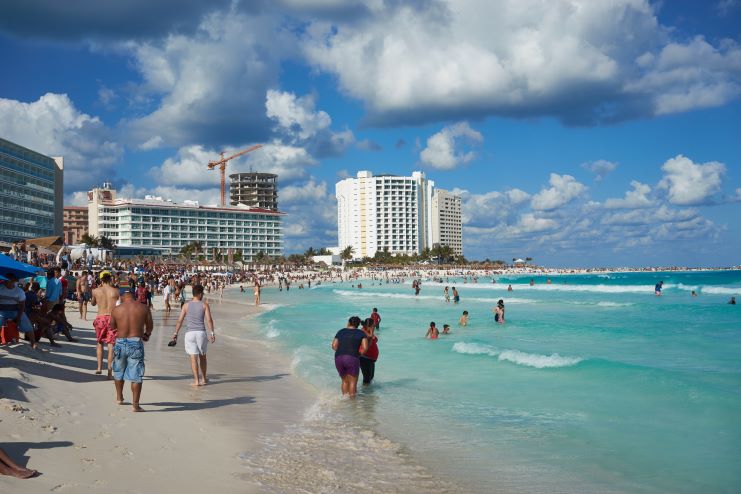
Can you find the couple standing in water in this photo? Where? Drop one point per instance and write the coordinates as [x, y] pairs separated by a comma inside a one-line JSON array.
[[356, 350]]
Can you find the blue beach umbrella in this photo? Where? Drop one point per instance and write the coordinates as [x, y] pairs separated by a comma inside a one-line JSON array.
[[19, 269]]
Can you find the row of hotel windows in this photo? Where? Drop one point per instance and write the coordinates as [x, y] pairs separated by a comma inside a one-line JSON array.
[[43, 195], [161, 214], [10, 229], [247, 247], [153, 220], [26, 206], [45, 172]]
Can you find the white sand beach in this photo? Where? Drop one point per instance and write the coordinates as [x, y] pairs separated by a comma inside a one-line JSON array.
[[58, 417]]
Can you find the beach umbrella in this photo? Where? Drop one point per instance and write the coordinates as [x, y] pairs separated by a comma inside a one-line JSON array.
[[19, 269]]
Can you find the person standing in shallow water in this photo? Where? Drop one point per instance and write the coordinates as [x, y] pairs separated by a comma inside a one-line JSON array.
[[349, 344], [368, 361]]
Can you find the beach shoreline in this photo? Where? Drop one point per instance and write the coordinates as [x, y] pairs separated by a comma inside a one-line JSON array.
[[60, 418]]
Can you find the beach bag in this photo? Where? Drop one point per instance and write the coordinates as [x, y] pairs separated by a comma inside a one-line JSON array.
[[9, 333]]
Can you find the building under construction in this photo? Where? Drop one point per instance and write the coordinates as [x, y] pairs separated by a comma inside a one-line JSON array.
[[255, 190]]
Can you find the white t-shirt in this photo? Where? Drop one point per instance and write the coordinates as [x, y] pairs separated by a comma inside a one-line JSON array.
[[11, 296]]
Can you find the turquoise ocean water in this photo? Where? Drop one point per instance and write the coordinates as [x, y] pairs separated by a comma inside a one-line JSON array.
[[593, 385]]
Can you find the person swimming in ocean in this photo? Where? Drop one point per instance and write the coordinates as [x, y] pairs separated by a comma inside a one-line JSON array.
[[446, 294], [732, 301], [456, 297], [446, 328], [432, 332], [694, 293], [463, 321], [509, 288]]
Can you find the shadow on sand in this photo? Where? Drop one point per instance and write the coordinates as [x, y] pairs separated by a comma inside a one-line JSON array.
[[18, 451], [173, 406]]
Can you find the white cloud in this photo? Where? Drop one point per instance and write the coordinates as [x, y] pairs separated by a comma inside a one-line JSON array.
[[441, 150], [563, 190], [312, 219], [296, 114], [152, 143], [413, 62], [209, 86], [600, 168], [688, 183], [683, 76], [52, 125], [189, 166], [636, 198]]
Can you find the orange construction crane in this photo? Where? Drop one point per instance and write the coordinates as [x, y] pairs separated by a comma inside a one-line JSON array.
[[222, 168]]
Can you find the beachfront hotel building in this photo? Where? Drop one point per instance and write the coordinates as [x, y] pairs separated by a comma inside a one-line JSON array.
[[75, 224], [384, 213], [254, 190], [32, 193], [162, 223], [447, 229]]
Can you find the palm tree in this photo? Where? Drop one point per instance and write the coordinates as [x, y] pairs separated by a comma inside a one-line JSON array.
[[347, 253], [89, 240], [106, 243]]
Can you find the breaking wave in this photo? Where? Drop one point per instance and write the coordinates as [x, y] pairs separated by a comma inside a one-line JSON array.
[[517, 357]]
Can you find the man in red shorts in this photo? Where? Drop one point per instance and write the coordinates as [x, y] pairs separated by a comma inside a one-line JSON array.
[[105, 297]]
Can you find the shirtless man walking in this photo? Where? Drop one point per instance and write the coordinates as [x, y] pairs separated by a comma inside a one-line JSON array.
[[83, 294], [132, 323], [105, 297]]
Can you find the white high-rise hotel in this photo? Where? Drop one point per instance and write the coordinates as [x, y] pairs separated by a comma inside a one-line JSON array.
[[400, 215]]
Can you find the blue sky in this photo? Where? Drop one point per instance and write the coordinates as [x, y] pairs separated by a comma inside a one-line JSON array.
[[577, 132]]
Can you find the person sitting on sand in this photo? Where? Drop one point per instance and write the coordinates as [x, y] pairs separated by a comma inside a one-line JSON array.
[[51, 323], [13, 307], [11, 468], [132, 323], [432, 332], [197, 315], [463, 321]]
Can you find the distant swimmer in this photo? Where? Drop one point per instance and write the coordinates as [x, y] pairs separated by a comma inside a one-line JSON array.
[[532, 282], [499, 312], [548, 281], [509, 288], [368, 361], [463, 321], [432, 332], [446, 294], [732, 301], [446, 328], [694, 293], [456, 297], [658, 287]]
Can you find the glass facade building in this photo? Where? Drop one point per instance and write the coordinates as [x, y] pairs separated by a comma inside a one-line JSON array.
[[32, 193]]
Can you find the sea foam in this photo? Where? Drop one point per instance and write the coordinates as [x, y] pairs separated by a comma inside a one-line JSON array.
[[517, 357]]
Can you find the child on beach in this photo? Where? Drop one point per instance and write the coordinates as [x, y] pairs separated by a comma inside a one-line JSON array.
[[463, 321]]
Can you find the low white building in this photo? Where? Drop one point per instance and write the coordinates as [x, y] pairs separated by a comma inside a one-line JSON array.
[[162, 223]]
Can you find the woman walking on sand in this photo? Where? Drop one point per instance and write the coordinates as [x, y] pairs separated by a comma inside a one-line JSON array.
[[197, 315]]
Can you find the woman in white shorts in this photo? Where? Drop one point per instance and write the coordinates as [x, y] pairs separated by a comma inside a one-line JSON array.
[[197, 315]]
